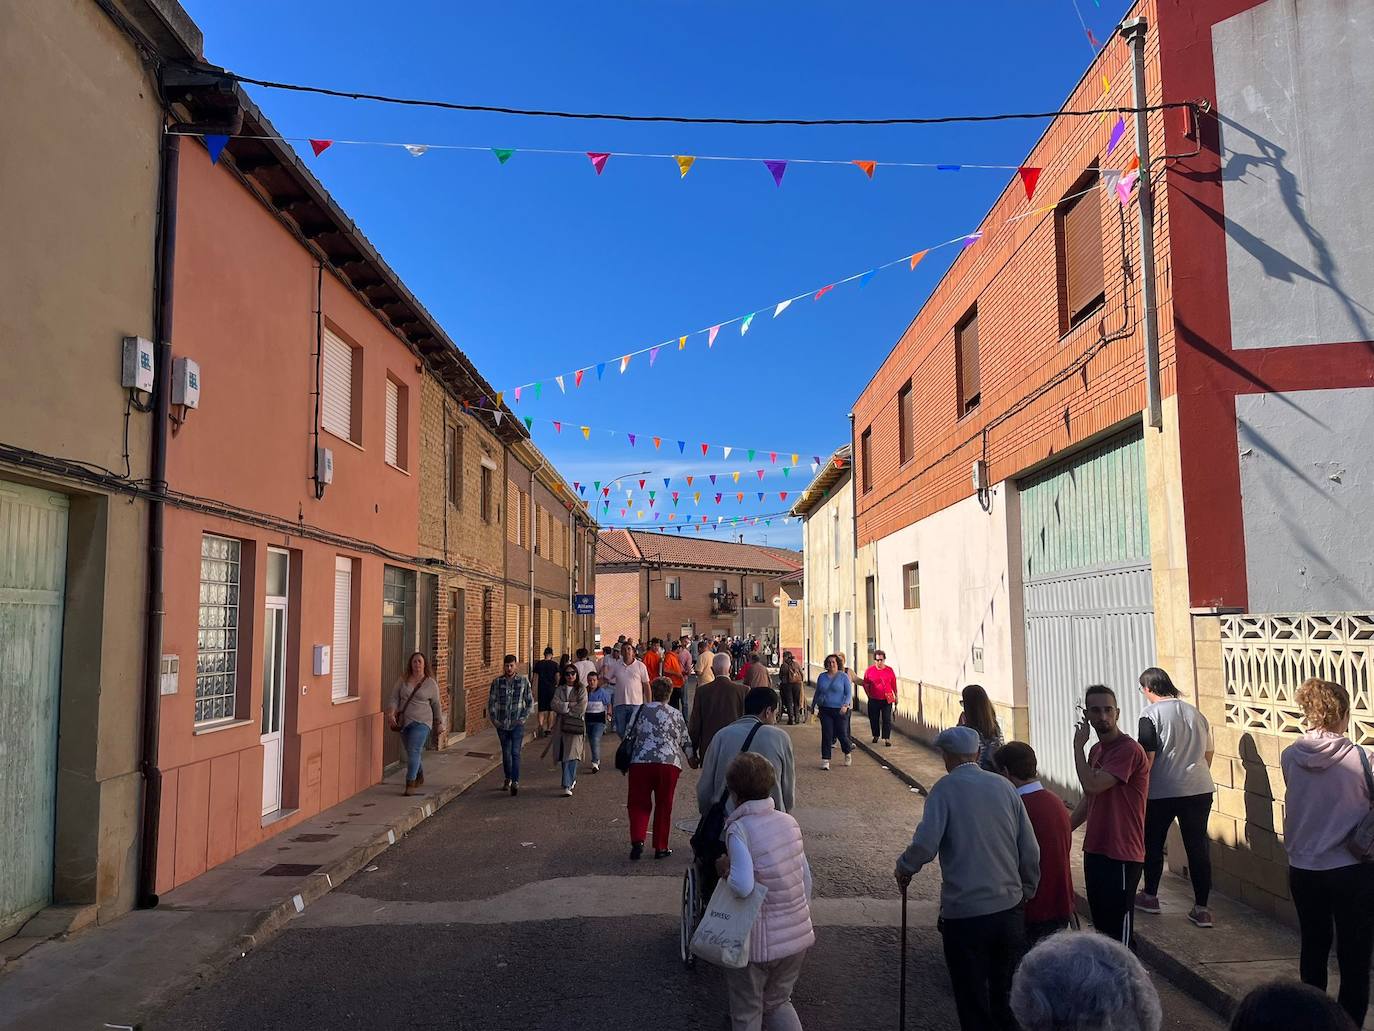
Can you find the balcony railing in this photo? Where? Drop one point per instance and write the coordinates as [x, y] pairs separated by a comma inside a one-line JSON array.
[[723, 601]]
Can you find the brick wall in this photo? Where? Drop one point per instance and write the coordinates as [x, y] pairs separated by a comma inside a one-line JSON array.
[[619, 601], [457, 534], [1011, 274]]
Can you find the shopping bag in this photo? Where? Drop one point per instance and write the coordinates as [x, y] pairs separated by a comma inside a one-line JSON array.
[[722, 937]]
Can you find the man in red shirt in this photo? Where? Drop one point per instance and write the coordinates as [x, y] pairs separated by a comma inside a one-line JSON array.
[[652, 658], [1116, 778], [1052, 906]]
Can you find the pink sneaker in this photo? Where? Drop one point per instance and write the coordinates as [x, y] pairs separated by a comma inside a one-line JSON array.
[[1200, 916], [1147, 903]]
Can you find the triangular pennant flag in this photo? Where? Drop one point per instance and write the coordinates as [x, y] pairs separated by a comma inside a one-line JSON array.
[[320, 146], [1110, 177], [215, 144], [786, 471], [760, 495], [713, 479], [684, 163], [718, 497], [1029, 177], [760, 472], [538, 389], [1132, 164], [815, 466], [624, 363], [1125, 185], [777, 168], [529, 423], [823, 291], [751, 454], [736, 476], [744, 326], [577, 377], [596, 485], [586, 432], [773, 457], [915, 260], [681, 447], [1118, 130], [973, 238], [867, 166], [704, 449], [517, 394], [667, 480], [598, 161], [711, 335], [780, 308], [815, 459], [498, 416], [502, 154], [657, 442], [416, 149], [675, 494], [641, 484], [653, 355], [600, 369], [557, 426], [561, 388], [739, 497], [696, 496], [794, 459], [867, 278], [782, 495], [1092, 40], [690, 479], [622, 513], [500, 398], [632, 444], [727, 449], [651, 494], [681, 343]]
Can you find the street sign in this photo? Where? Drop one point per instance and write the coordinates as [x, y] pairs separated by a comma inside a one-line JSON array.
[[584, 604]]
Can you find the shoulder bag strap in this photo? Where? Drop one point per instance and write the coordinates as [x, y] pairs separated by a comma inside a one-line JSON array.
[[1368, 775], [401, 713], [748, 740]]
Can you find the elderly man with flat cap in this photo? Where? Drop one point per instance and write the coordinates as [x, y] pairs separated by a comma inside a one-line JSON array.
[[990, 865]]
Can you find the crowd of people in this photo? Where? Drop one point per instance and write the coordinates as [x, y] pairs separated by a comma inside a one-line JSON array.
[[1003, 839]]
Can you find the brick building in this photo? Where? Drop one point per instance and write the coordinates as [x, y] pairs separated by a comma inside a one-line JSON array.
[[1040, 505], [664, 585]]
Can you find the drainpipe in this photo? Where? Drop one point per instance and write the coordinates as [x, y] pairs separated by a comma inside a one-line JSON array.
[[571, 555], [152, 632], [530, 539], [1134, 33], [854, 533]]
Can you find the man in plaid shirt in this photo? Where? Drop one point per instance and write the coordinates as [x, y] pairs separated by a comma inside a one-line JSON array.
[[508, 706]]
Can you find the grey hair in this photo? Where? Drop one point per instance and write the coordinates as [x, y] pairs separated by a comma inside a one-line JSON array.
[[721, 664], [1080, 980]]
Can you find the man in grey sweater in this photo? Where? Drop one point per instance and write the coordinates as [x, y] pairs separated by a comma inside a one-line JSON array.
[[989, 864], [771, 742]]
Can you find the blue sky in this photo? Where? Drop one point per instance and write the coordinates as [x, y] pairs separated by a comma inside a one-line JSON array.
[[540, 266]]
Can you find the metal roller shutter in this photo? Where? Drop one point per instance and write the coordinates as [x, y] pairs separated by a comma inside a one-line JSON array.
[[393, 423], [343, 627], [336, 387], [1081, 235]]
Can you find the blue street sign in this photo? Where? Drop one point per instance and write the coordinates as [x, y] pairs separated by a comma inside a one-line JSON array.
[[584, 604]]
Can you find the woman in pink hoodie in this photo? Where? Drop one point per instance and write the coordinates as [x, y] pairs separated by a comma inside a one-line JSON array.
[[1328, 794]]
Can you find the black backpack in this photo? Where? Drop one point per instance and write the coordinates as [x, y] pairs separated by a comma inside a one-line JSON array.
[[708, 841]]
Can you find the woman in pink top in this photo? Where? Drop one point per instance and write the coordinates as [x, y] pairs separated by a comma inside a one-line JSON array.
[[1328, 794], [880, 684]]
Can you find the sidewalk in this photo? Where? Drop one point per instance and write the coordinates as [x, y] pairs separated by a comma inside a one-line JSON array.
[[109, 976], [1216, 967]]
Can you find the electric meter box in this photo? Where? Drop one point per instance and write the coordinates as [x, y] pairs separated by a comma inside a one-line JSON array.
[[324, 465], [321, 660], [136, 370], [186, 382]]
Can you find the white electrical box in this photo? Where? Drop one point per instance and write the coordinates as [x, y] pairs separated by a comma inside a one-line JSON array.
[[185, 382], [170, 669], [980, 475], [321, 665], [136, 370], [324, 465]]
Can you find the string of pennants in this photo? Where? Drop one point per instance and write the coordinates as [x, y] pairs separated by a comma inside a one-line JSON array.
[[698, 523]]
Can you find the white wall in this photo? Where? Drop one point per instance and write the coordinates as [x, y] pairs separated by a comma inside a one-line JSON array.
[[970, 590], [828, 547]]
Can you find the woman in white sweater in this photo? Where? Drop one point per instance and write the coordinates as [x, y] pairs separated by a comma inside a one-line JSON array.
[[764, 846]]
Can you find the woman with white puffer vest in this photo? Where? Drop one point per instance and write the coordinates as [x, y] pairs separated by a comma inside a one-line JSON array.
[[764, 846]]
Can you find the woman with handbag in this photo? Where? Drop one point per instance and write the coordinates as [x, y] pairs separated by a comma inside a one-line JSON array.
[[790, 680], [658, 745], [413, 711], [1326, 833], [570, 730], [764, 846]]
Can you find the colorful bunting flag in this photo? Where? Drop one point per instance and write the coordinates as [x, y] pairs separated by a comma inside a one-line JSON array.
[[598, 161], [600, 369], [704, 449], [773, 457], [867, 278], [681, 343], [727, 449], [823, 291], [867, 166], [416, 149], [529, 423], [215, 144], [713, 479], [577, 377], [1029, 177], [681, 447], [760, 495], [624, 363], [502, 154], [794, 459], [657, 442], [1118, 130], [736, 476], [666, 481], [711, 337], [777, 168], [632, 444], [786, 470], [320, 146], [653, 355], [684, 163], [538, 389], [744, 326], [561, 388], [557, 426], [586, 432], [690, 479], [760, 474], [1125, 185], [782, 496], [517, 395], [973, 238], [915, 260], [781, 307]]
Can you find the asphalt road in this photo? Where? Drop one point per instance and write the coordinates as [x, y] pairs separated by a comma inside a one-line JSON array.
[[525, 913]]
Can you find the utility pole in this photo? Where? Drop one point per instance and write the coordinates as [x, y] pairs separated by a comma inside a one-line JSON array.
[[1134, 34]]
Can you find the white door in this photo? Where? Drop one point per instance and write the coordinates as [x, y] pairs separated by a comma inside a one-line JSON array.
[[274, 677], [33, 561]]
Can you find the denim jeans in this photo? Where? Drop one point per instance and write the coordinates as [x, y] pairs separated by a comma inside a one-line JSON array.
[[623, 714], [414, 736], [510, 750], [834, 724], [569, 772], [594, 732]]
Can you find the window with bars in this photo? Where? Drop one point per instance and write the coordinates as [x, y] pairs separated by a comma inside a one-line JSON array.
[[865, 465], [966, 371], [911, 585], [217, 637], [906, 429], [1078, 239], [454, 449]]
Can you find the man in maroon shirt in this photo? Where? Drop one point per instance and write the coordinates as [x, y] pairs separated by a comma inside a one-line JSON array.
[[1115, 777], [1052, 906]]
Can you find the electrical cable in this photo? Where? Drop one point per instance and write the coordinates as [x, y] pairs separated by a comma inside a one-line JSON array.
[[447, 105]]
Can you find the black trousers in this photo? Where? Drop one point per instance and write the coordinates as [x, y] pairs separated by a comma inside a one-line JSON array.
[[1191, 812], [1110, 885], [880, 719], [1339, 900], [791, 702], [981, 953]]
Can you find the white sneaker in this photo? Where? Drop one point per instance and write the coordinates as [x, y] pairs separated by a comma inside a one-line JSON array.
[[849, 759], [596, 767], [825, 764], [567, 792]]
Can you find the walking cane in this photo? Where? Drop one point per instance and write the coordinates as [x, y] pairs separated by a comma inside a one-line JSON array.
[[901, 1004]]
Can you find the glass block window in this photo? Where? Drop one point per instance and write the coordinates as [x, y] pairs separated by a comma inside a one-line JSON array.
[[217, 642]]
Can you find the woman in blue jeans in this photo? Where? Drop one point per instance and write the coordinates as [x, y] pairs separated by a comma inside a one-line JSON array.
[[414, 711], [600, 701], [833, 698]]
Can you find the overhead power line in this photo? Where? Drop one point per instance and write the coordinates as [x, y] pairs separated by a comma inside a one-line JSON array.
[[448, 105]]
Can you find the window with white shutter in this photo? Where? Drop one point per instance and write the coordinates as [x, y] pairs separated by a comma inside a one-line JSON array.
[[336, 387], [393, 424], [343, 627]]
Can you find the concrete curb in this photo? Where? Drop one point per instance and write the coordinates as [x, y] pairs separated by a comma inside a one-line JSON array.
[[1212, 994]]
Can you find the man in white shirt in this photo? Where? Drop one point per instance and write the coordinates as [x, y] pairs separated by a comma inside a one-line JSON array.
[[629, 681], [584, 665]]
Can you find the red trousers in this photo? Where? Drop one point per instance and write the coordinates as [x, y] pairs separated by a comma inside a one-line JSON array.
[[651, 790]]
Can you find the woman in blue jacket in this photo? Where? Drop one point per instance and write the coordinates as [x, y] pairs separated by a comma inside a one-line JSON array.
[[833, 698]]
